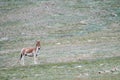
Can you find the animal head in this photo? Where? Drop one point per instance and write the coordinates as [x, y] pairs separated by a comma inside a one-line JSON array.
[[38, 45]]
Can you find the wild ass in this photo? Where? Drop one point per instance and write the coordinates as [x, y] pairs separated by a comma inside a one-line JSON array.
[[31, 52]]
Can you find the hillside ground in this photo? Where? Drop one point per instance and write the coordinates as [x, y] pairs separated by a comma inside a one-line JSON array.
[[80, 39]]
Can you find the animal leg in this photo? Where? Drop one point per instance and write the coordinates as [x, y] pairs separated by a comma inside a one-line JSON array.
[[35, 59], [23, 60]]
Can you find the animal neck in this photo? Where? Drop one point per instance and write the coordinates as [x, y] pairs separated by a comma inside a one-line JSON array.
[[36, 48]]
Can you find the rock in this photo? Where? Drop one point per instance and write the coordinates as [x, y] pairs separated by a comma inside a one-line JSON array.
[[114, 69], [101, 72], [4, 39], [90, 40], [83, 22], [107, 71], [58, 43], [101, 64], [78, 66], [114, 14]]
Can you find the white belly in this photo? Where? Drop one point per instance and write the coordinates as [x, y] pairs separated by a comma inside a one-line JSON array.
[[29, 54]]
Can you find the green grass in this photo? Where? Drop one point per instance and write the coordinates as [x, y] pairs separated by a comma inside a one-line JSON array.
[[64, 71]]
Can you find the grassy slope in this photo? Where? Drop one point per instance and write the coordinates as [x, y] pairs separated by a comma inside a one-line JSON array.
[[69, 30], [83, 70]]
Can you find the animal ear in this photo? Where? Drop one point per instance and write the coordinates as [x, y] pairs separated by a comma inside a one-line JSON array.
[[38, 42]]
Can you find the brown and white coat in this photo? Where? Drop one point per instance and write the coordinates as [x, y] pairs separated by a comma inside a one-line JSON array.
[[31, 52]]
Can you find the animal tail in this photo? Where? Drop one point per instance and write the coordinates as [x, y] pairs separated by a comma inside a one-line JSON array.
[[21, 56]]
